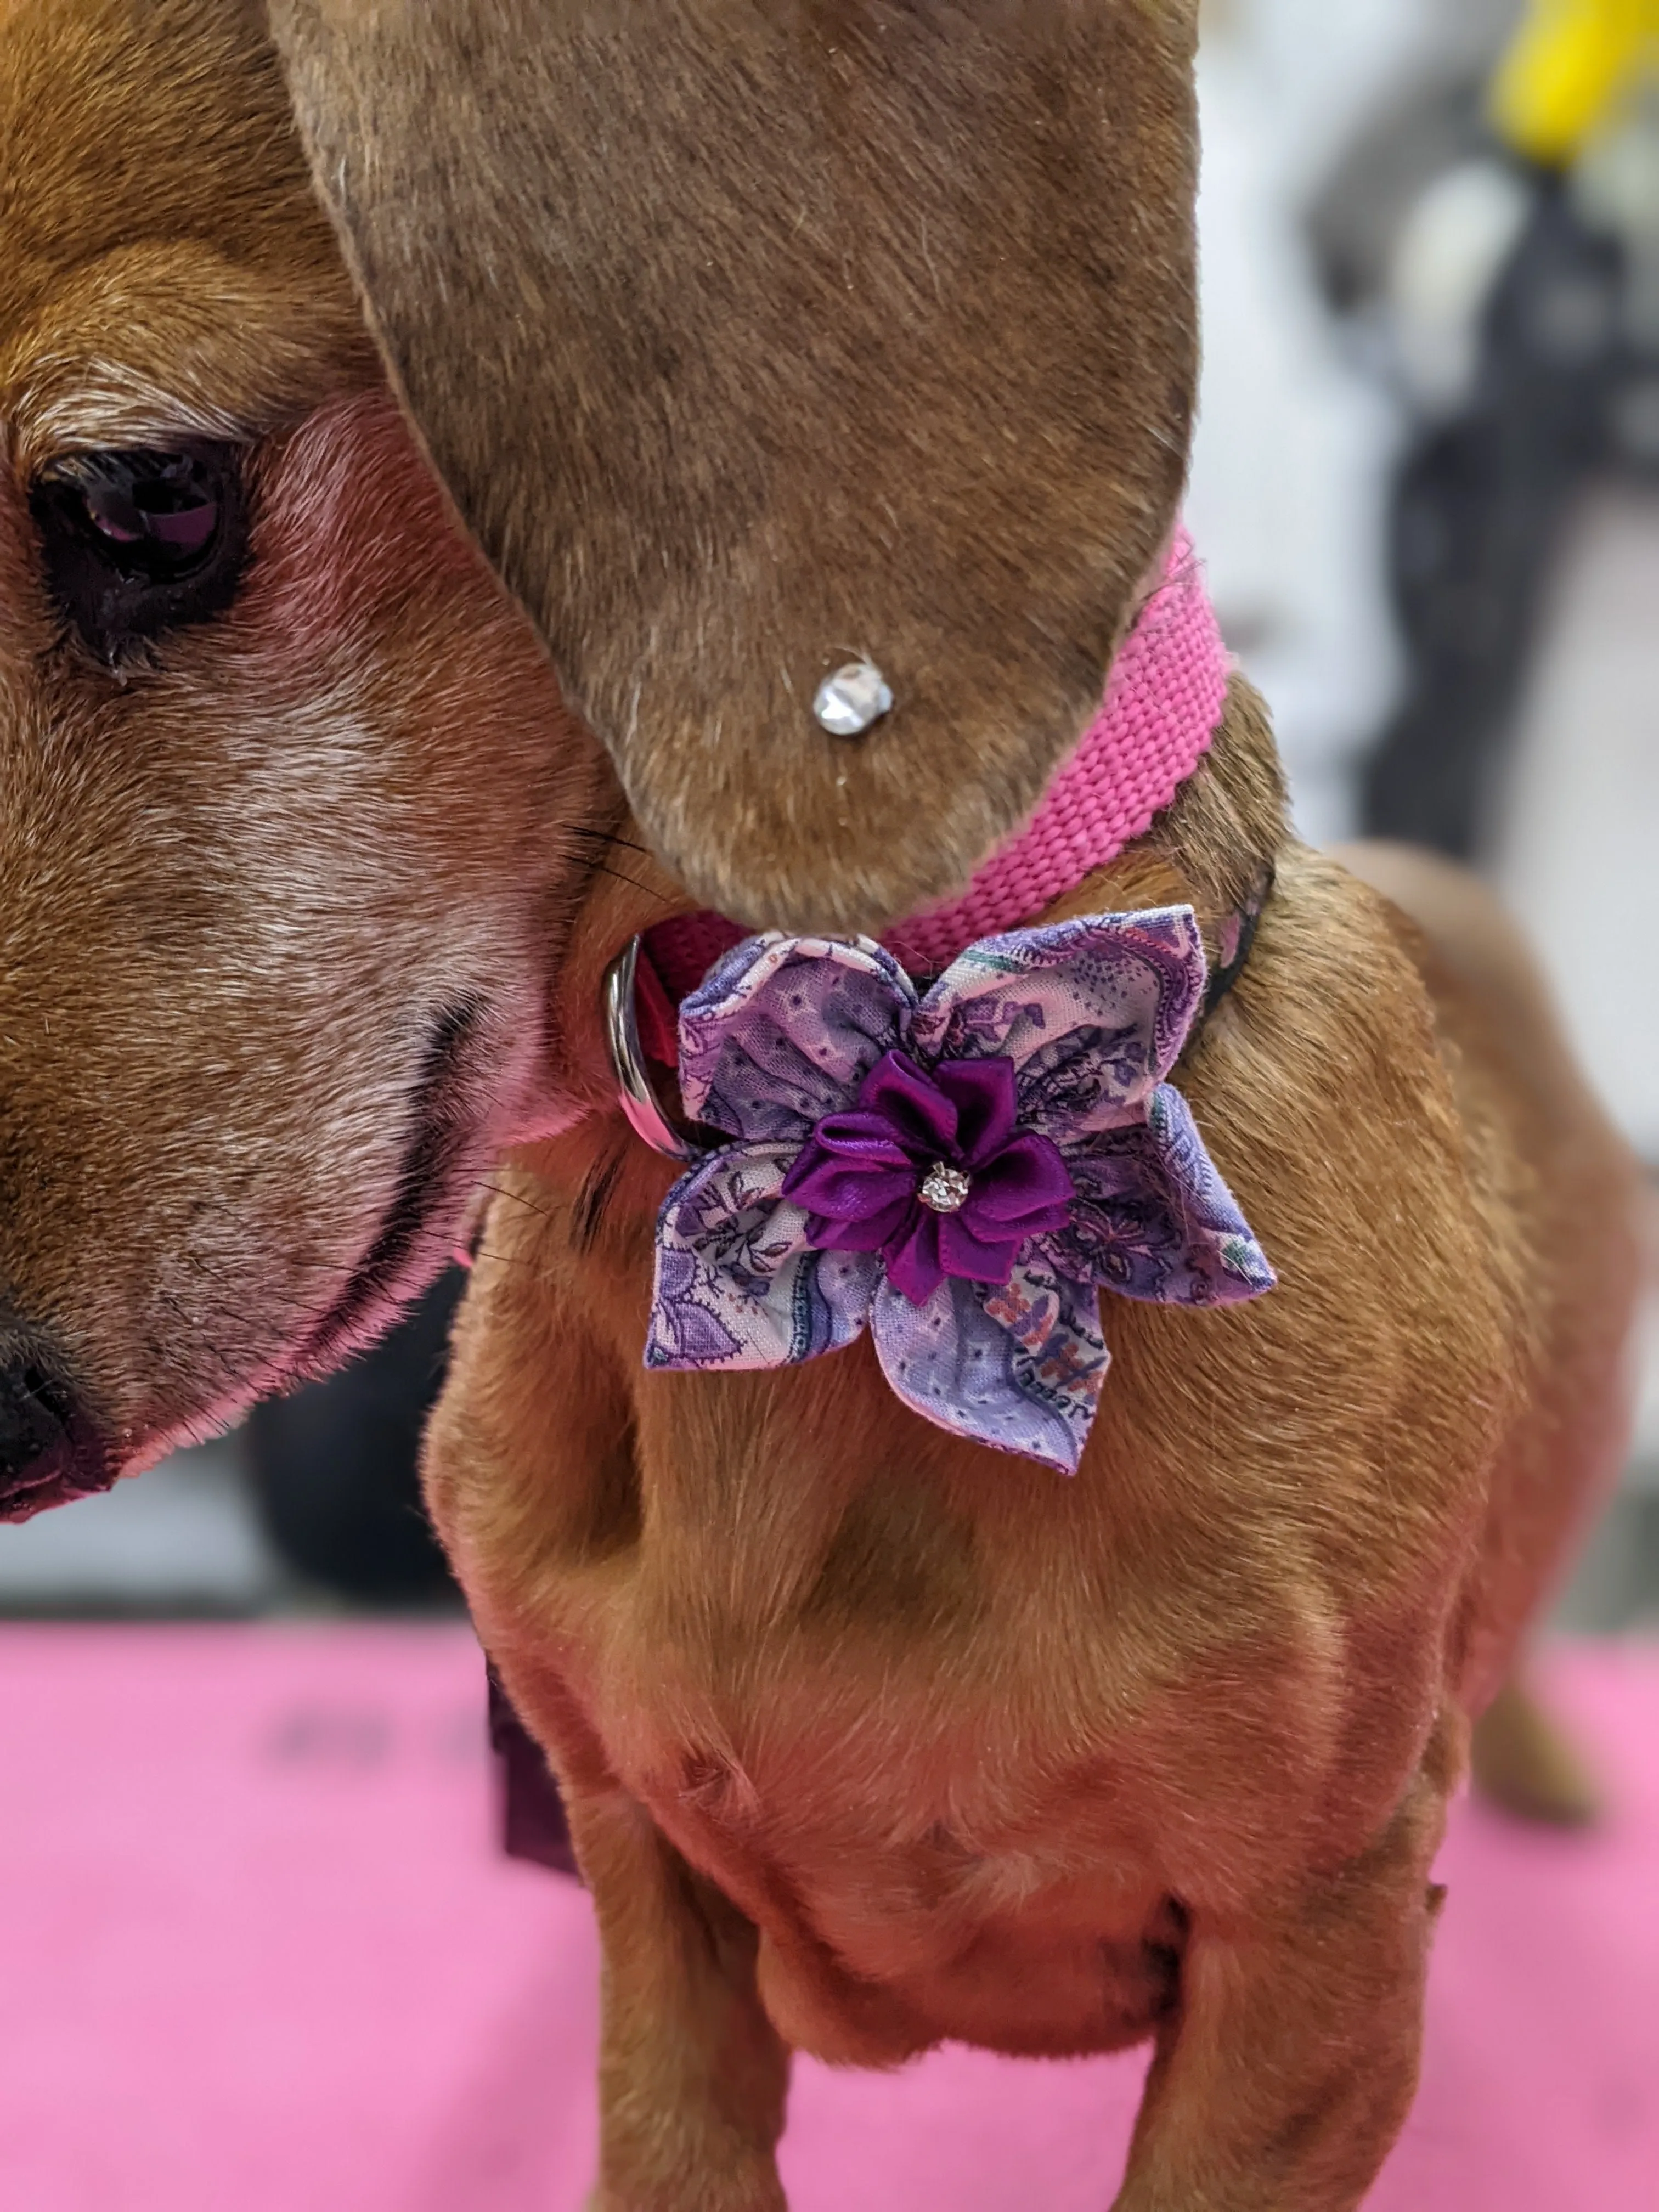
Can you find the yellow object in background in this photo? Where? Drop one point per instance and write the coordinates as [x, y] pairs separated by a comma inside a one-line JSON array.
[[1572, 66]]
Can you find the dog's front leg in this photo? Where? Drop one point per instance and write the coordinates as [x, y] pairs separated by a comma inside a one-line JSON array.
[[1288, 2070], [693, 2077], [531, 1480]]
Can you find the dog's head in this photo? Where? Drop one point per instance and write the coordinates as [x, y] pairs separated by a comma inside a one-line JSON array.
[[743, 336]]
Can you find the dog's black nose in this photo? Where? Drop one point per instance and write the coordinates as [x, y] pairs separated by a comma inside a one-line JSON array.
[[50, 1450]]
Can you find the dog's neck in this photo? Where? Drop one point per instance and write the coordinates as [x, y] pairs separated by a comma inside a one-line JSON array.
[[951, 1164], [1165, 701]]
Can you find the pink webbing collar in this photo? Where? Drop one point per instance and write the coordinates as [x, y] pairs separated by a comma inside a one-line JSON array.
[[1163, 705]]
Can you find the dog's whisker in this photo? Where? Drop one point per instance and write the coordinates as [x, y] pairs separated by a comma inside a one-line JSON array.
[[611, 837], [517, 1198], [597, 1188], [649, 890]]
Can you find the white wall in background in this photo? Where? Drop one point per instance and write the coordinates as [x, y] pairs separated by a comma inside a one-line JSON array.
[[1581, 822], [1294, 444]]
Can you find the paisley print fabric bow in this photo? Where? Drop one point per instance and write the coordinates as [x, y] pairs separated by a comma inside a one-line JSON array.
[[960, 1172]]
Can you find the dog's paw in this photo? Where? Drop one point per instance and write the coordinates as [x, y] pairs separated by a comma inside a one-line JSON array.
[[1527, 1764]]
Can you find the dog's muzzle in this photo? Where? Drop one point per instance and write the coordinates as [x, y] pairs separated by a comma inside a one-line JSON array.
[[52, 1452]]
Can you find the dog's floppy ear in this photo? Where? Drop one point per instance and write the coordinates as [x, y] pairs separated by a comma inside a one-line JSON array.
[[756, 337]]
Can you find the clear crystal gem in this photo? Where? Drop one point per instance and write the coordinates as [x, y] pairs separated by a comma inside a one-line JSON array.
[[944, 1189], [853, 699]]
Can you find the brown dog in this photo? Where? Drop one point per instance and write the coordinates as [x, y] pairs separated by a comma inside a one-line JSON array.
[[743, 332]]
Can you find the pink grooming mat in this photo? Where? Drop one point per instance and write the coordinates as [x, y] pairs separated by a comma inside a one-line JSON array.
[[256, 1951]]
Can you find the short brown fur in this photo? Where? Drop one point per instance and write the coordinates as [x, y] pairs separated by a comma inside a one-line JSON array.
[[1055, 1768], [869, 1738]]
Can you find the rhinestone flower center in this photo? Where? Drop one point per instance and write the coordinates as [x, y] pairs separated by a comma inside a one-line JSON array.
[[945, 1189]]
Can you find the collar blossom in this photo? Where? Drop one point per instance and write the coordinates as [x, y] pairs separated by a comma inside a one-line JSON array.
[[960, 1172]]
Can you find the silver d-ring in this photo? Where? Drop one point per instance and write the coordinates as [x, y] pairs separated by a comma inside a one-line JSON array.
[[627, 1062]]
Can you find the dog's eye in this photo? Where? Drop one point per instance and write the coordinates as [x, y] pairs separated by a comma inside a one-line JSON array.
[[140, 543]]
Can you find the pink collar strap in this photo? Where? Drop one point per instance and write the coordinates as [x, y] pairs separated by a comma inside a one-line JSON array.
[[1163, 705]]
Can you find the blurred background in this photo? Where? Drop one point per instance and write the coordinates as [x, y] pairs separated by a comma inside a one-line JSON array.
[[261, 1946], [1426, 485]]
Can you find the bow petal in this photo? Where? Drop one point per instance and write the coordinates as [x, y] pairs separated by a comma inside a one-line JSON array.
[[1025, 1190], [1019, 1368], [737, 1285], [1153, 1220], [986, 1096], [1093, 1014], [784, 1031], [852, 1170]]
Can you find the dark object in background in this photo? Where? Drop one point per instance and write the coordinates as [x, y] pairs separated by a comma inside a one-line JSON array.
[[1478, 515], [1424, 128], [337, 1472], [533, 1825], [335, 1467]]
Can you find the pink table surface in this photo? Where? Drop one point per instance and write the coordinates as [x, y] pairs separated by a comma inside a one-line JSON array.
[[257, 1954]]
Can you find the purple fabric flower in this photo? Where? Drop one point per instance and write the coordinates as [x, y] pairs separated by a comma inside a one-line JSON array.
[[962, 1173], [871, 1180]]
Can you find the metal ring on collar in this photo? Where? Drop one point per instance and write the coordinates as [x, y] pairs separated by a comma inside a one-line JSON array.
[[635, 1091]]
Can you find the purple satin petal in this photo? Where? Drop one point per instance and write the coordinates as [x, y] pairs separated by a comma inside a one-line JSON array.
[[918, 1113], [835, 1191], [915, 1266], [851, 1169], [1027, 1187], [987, 1101], [860, 1135], [973, 1253]]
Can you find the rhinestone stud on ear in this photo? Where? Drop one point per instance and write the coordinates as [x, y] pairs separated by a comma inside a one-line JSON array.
[[853, 699]]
